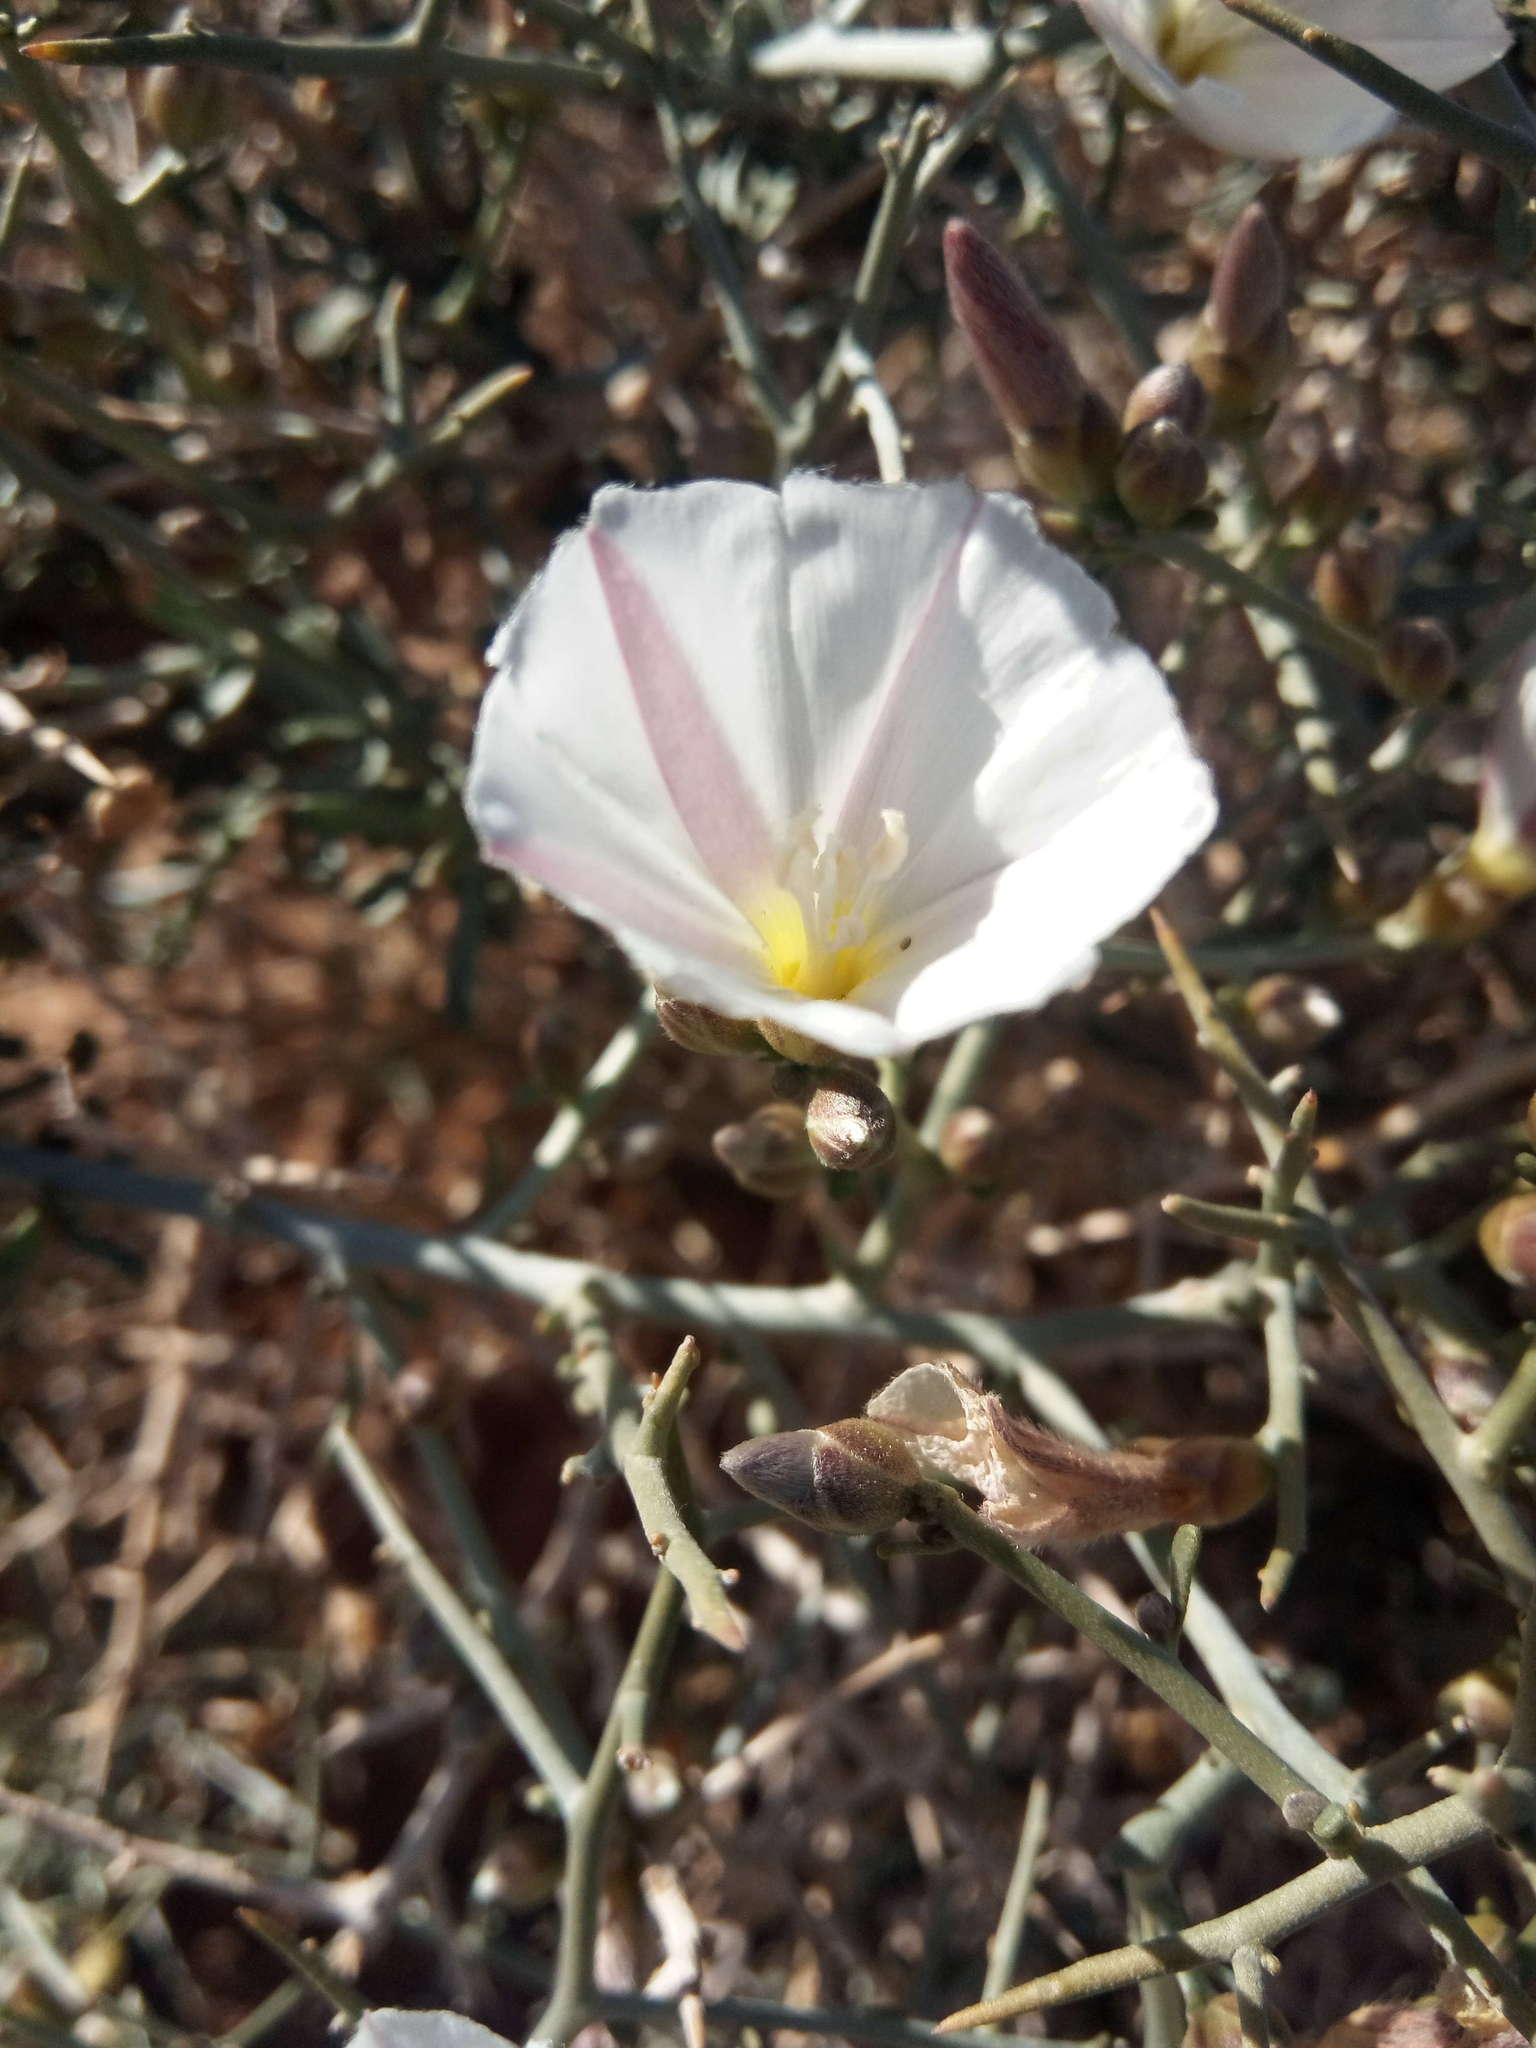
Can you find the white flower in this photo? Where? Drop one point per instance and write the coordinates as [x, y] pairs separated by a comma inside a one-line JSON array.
[[1504, 844], [1240, 88], [394, 2027], [867, 762]]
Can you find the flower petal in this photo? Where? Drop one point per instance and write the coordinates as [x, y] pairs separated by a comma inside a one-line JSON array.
[[1262, 97], [394, 2027]]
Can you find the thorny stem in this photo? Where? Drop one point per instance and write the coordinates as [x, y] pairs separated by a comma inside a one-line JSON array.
[[1491, 1445], [482, 1566], [1380, 1854], [657, 1480], [1511, 149], [561, 1141], [829, 1308], [329, 57], [497, 1680], [116, 229], [1213, 569], [1284, 1432], [1009, 1933], [589, 1816]]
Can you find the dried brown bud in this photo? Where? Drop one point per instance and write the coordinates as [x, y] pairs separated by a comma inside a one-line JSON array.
[[1416, 660], [1507, 1235], [767, 1153], [847, 1478], [1484, 1699], [1161, 475], [1170, 392], [697, 1029], [1355, 581], [1292, 1015], [1065, 434], [1243, 347], [972, 1145], [1332, 486], [850, 1124]]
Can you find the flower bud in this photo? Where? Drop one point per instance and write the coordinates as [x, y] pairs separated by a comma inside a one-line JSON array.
[[972, 1144], [1355, 581], [1243, 346], [698, 1029], [1507, 1235], [1161, 474], [1416, 660], [1291, 1015], [1332, 486], [188, 106], [767, 1153], [1170, 392], [850, 1124], [847, 1478], [1065, 433], [793, 1045]]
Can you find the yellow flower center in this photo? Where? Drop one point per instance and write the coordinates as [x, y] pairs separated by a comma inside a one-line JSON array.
[[1198, 39], [820, 923]]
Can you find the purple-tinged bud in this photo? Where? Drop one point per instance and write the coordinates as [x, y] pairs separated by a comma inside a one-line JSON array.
[[1064, 432], [766, 1153], [1243, 346], [850, 1123], [847, 1478], [1507, 1236], [1250, 284], [698, 1029], [1291, 1015], [972, 1145], [1355, 581], [1332, 486], [1416, 660], [1170, 392], [1161, 475]]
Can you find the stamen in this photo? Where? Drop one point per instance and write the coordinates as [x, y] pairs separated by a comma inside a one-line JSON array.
[[819, 926]]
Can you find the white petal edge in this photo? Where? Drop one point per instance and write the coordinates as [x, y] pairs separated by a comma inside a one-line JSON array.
[[394, 2027]]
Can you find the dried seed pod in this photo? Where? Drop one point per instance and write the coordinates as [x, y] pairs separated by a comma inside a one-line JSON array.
[[1161, 475], [1243, 347], [698, 1029], [1170, 392], [1064, 432], [766, 1153], [850, 1478], [849, 1122], [1355, 581], [1416, 660], [188, 106], [1507, 1235]]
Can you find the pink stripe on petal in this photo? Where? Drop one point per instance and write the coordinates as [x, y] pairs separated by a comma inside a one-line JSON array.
[[718, 811], [870, 787], [611, 895]]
